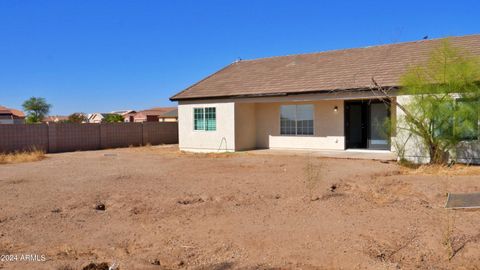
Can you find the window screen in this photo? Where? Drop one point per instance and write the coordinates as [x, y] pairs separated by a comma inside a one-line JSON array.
[[198, 119], [443, 122], [296, 120], [466, 119], [205, 119], [210, 119], [288, 120]]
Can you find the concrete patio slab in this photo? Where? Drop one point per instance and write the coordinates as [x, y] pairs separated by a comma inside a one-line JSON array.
[[343, 154]]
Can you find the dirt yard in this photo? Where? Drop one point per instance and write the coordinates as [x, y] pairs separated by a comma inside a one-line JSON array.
[[170, 210]]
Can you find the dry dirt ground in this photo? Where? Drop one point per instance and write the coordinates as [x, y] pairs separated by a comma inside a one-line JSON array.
[[172, 210]]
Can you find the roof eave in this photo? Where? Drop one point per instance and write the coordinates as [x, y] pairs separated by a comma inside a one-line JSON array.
[[278, 94]]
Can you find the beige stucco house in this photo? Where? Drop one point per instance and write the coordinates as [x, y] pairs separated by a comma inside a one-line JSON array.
[[157, 114], [11, 116], [319, 101]]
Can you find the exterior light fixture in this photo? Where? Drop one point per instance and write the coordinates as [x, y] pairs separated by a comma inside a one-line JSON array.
[[335, 109]]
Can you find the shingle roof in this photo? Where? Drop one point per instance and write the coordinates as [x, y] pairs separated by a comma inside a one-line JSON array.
[[157, 111], [323, 71], [14, 112], [171, 113]]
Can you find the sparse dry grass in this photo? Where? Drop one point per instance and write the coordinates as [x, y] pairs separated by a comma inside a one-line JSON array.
[[312, 178], [20, 157], [246, 209], [209, 155], [454, 170]]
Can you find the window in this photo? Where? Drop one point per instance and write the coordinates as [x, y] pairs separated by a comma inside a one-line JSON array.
[[466, 119], [457, 120], [204, 119], [296, 120], [210, 119], [443, 120], [198, 119]]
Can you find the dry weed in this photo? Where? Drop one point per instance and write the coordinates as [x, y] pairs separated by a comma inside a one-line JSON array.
[[312, 178], [454, 170], [388, 191], [209, 155], [453, 242], [448, 235], [389, 251], [20, 157]]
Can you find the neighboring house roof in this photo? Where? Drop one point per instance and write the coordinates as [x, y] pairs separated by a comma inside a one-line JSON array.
[[96, 115], [316, 72], [158, 111], [170, 114], [55, 118], [103, 114], [14, 112], [123, 112]]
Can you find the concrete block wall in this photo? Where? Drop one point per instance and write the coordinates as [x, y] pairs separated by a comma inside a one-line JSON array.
[[67, 137], [20, 137]]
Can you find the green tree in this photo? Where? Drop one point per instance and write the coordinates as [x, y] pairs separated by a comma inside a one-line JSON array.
[[443, 108], [77, 118], [113, 118], [37, 108]]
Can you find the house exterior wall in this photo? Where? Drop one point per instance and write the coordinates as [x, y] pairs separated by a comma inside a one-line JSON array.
[[415, 150], [6, 121], [19, 120], [11, 120], [328, 127], [406, 142], [245, 126], [95, 118], [222, 139], [248, 123]]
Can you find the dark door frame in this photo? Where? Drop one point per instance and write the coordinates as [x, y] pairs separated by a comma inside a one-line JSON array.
[[364, 124], [365, 118]]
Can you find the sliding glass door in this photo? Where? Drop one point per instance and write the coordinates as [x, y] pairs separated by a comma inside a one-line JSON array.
[[378, 135], [366, 125]]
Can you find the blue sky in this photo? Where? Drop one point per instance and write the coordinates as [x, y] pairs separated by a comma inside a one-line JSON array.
[[89, 56]]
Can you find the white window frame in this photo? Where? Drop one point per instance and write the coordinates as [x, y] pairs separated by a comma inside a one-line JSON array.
[[204, 119], [473, 139], [296, 135]]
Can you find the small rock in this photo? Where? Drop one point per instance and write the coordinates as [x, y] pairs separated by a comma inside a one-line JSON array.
[[277, 196], [190, 201], [180, 263], [114, 266], [56, 210], [381, 256], [100, 207], [155, 262], [135, 211], [333, 188]]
